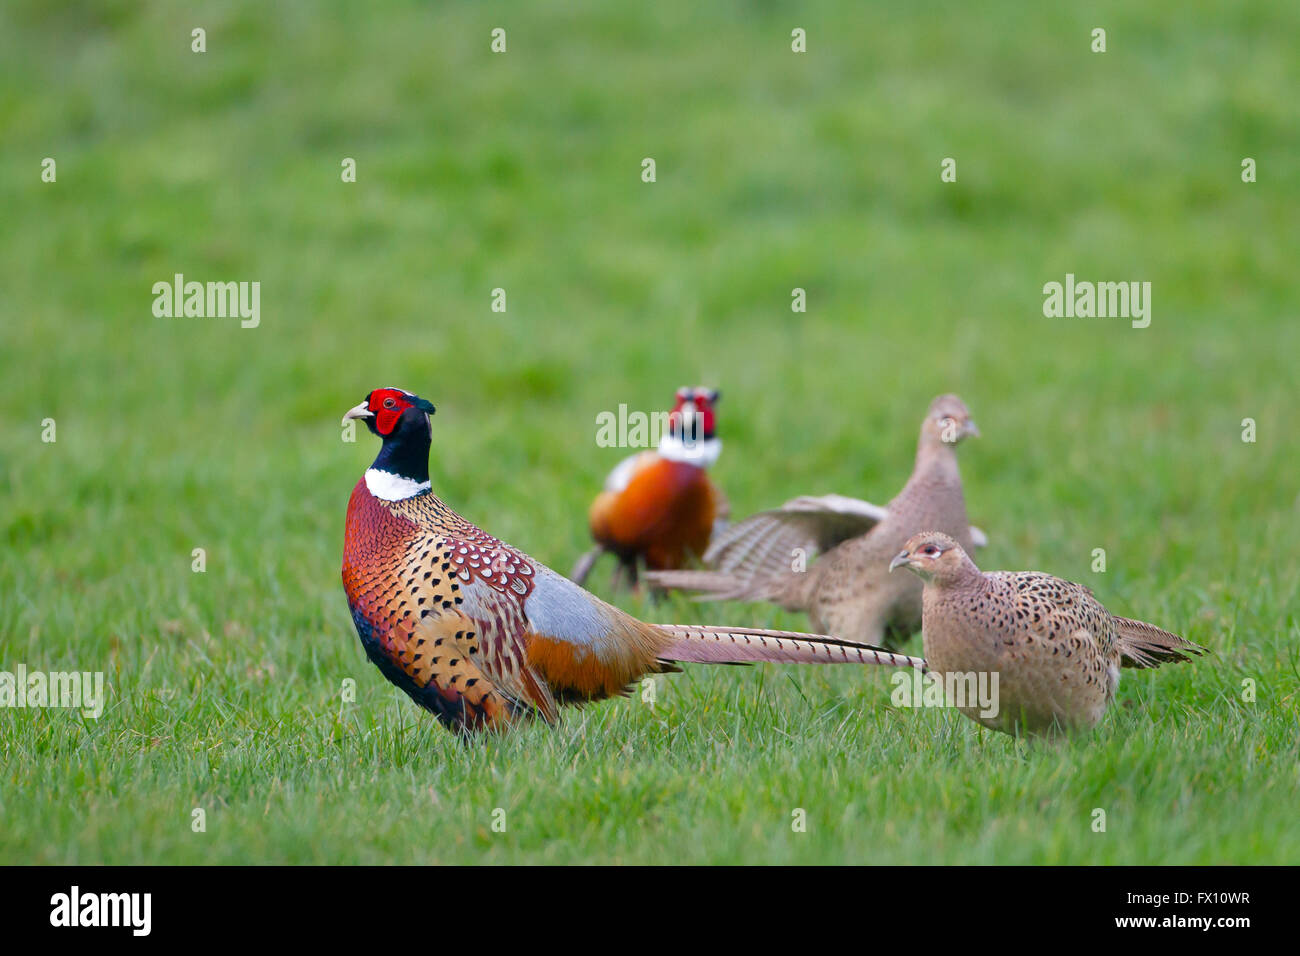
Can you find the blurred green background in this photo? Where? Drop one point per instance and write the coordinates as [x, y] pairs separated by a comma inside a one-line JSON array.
[[522, 170]]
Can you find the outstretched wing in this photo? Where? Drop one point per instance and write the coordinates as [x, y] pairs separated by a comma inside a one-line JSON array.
[[763, 544]]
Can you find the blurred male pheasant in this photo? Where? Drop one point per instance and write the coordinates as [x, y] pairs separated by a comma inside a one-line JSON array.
[[481, 634], [659, 507], [1057, 652], [847, 592]]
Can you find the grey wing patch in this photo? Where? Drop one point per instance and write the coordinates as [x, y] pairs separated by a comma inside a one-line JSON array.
[[559, 608]]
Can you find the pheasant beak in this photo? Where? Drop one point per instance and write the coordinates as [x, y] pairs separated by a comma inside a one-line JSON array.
[[360, 411], [972, 431], [900, 559]]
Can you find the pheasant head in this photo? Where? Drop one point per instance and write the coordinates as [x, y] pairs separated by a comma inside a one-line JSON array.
[[693, 418], [948, 422], [401, 419], [935, 558]]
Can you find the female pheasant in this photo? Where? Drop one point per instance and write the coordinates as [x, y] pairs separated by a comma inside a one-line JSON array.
[[481, 634], [1056, 651], [659, 507]]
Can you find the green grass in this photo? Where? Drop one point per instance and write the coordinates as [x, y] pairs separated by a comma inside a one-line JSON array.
[[522, 171]]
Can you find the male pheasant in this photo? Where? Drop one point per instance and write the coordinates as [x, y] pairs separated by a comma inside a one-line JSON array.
[[482, 635], [847, 592], [659, 507], [1057, 652]]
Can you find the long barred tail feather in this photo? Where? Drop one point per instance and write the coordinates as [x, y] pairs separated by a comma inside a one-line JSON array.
[[694, 643], [1145, 645]]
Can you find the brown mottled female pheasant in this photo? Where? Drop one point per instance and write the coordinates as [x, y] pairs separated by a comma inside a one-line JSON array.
[[847, 592], [1056, 651], [481, 634]]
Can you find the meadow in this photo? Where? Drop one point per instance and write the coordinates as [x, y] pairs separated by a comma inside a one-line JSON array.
[[522, 171]]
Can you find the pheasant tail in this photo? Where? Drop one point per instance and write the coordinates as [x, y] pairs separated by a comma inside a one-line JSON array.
[[741, 645], [1145, 645]]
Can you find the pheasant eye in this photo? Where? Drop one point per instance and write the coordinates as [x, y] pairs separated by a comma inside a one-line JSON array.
[[389, 403]]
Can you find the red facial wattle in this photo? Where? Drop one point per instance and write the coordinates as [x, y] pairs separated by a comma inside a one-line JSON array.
[[705, 411], [386, 417], [699, 427]]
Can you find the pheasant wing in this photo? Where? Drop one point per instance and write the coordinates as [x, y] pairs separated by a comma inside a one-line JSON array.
[[764, 543]]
